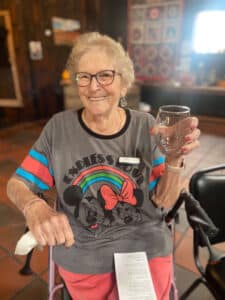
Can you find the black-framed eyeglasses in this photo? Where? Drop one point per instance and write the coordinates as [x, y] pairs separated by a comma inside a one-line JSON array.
[[104, 77]]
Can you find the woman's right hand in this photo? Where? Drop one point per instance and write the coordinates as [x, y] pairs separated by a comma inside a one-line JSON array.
[[48, 226]]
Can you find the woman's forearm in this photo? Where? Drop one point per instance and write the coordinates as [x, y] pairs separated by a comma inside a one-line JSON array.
[[169, 185], [20, 194]]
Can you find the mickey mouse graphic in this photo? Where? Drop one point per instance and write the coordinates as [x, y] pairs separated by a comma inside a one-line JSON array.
[[108, 208]]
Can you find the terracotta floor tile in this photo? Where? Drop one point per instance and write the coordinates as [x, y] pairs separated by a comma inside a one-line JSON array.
[[11, 281], [189, 232], [36, 290], [220, 247], [44, 276], [17, 154], [3, 195], [9, 215], [5, 145], [3, 253], [10, 234], [4, 198], [7, 167], [178, 236], [39, 261], [184, 255], [23, 137]]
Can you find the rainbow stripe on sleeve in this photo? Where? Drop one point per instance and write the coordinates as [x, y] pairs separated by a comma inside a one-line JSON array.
[[35, 169], [158, 167]]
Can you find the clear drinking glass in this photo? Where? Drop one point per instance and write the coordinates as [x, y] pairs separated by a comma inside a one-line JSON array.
[[172, 128]]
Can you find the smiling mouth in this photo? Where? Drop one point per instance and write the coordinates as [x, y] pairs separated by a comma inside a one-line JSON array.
[[96, 99]]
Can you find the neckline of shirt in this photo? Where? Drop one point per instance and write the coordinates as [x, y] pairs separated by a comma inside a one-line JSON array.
[[103, 136]]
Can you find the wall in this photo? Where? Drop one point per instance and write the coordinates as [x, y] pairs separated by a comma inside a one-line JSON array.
[[39, 80]]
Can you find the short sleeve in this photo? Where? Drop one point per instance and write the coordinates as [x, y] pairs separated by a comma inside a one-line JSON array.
[[36, 169]]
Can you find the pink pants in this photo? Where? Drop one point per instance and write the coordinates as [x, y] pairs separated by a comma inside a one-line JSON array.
[[103, 286]]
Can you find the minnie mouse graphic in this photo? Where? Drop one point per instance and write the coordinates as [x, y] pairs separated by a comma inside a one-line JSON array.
[[108, 208]]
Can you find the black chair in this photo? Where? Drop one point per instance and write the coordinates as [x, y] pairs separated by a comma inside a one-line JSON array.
[[207, 219]]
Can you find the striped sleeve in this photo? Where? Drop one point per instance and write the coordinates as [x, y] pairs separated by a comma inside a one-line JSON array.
[[36, 170], [158, 167]]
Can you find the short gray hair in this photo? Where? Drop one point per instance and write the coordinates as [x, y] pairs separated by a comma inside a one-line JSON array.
[[113, 49]]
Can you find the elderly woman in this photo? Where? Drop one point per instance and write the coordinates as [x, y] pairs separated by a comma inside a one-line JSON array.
[[111, 180]]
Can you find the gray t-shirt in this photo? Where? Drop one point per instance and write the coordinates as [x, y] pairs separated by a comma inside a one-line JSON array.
[[108, 202]]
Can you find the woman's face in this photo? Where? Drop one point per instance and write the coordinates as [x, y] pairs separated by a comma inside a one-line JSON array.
[[96, 98]]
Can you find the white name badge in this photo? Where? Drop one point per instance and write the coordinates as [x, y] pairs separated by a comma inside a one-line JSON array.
[[134, 280], [129, 160]]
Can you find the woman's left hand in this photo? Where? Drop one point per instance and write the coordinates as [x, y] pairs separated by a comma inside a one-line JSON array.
[[169, 185], [191, 139]]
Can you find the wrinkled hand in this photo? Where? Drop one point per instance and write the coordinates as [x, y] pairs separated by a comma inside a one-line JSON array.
[[189, 126], [48, 226]]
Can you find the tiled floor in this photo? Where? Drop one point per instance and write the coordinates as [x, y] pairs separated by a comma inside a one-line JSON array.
[[14, 144]]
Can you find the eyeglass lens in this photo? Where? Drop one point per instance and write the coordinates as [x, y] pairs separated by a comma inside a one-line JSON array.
[[105, 77]]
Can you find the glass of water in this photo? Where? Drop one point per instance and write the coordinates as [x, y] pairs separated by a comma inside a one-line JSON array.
[[172, 128]]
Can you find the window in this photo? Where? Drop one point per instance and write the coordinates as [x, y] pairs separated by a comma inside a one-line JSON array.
[[209, 32]]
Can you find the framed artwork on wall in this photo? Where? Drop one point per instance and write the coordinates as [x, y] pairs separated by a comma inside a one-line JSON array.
[[153, 37]]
